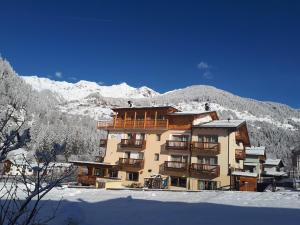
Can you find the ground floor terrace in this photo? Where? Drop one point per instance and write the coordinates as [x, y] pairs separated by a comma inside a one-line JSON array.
[[98, 206], [169, 177]]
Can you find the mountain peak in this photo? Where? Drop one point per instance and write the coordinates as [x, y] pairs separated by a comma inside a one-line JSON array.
[[83, 88]]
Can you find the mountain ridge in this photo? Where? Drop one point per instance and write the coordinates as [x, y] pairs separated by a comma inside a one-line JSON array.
[[274, 125]]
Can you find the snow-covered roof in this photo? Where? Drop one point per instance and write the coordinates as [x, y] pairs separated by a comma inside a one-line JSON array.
[[245, 174], [190, 113], [59, 164], [255, 150], [273, 162], [143, 107], [222, 124], [275, 173], [250, 164], [19, 153], [91, 163]]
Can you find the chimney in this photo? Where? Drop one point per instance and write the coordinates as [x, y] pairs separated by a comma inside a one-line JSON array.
[[207, 107], [129, 104]]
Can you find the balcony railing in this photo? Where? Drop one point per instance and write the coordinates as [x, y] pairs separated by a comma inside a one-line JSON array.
[[128, 163], [177, 145], [86, 179], [205, 170], [103, 142], [133, 143], [174, 168], [206, 147], [133, 124], [240, 154]]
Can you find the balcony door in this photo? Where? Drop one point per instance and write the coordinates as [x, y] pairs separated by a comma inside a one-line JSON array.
[[179, 158], [208, 138], [136, 136], [207, 160], [207, 185], [134, 155], [179, 137]]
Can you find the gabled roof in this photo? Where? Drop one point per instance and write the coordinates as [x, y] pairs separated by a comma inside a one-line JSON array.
[[260, 151], [274, 162], [213, 114], [275, 173], [222, 124], [244, 174], [145, 108]]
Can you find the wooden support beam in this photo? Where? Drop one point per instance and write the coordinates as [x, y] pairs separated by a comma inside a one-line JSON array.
[[115, 120], [145, 118], [134, 120], [125, 119], [155, 119]]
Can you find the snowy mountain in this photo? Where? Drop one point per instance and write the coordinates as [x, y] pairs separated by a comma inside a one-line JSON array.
[[81, 89], [271, 124]]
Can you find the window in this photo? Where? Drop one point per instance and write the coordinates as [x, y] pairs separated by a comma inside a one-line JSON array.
[[158, 136], [208, 160], [132, 176], [160, 117], [140, 117], [177, 137], [179, 158], [208, 138], [207, 185], [178, 181], [98, 172], [136, 136], [127, 155], [113, 173], [156, 157]]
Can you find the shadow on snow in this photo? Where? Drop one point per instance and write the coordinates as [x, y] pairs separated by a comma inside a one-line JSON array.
[[128, 211]]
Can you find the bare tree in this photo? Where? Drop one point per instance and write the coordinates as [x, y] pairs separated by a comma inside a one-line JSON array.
[[20, 195]]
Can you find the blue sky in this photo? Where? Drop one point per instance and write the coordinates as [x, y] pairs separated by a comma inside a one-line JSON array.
[[250, 48]]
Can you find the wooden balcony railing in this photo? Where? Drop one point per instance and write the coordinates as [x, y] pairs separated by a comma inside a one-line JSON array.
[[128, 163], [133, 143], [103, 142], [175, 165], [174, 168], [206, 147], [133, 124], [177, 145], [240, 154], [204, 170]]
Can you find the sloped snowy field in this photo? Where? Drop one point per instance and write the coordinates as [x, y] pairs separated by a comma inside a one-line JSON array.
[[95, 206]]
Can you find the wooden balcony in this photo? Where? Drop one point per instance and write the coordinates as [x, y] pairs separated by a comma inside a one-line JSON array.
[[103, 143], [206, 148], [174, 168], [131, 164], [177, 145], [240, 154], [86, 180], [133, 143], [204, 171], [133, 124]]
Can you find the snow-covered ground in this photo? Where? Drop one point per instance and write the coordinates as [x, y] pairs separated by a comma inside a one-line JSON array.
[[96, 206]]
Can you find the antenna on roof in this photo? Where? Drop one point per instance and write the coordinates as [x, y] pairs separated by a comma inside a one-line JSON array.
[[129, 103], [207, 107]]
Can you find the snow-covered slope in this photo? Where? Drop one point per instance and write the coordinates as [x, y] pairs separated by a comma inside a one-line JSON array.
[[271, 124], [82, 89]]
